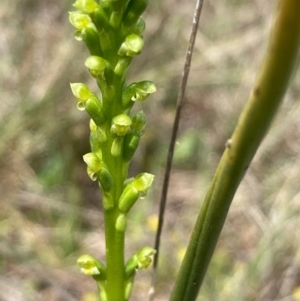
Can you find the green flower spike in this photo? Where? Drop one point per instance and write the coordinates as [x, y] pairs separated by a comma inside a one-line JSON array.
[[79, 20], [121, 125], [94, 165], [135, 189], [91, 266], [132, 46], [96, 65], [86, 6]]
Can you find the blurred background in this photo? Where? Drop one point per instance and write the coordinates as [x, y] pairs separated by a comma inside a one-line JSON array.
[[50, 211]]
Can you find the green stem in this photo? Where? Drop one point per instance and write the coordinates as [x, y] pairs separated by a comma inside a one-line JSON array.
[[115, 240], [114, 258], [269, 89]]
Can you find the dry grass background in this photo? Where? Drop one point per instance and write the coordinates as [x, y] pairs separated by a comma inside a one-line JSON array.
[[50, 211]]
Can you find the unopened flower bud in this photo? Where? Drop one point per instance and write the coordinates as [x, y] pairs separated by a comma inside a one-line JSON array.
[[132, 46], [130, 145], [122, 65], [95, 109], [135, 189], [107, 201], [138, 121], [116, 147], [115, 19], [128, 198], [134, 9], [139, 27], [121, 223], [100, 19], [105, 180], [90, 36]]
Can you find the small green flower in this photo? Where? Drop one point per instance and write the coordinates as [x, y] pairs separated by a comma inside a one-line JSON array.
[[144, 257], [86, 6], [79, 20], [96, 65], [135, 189], [90, 266], [121, 125], [137, 92], [142, 90], [142, 183], [81, 91], [132, 46], [140, 260], [94, 165]]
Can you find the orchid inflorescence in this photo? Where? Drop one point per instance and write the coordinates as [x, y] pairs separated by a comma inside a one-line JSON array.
[[112, 31]]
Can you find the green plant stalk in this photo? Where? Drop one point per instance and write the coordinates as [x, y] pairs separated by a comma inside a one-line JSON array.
[[269, 89]]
